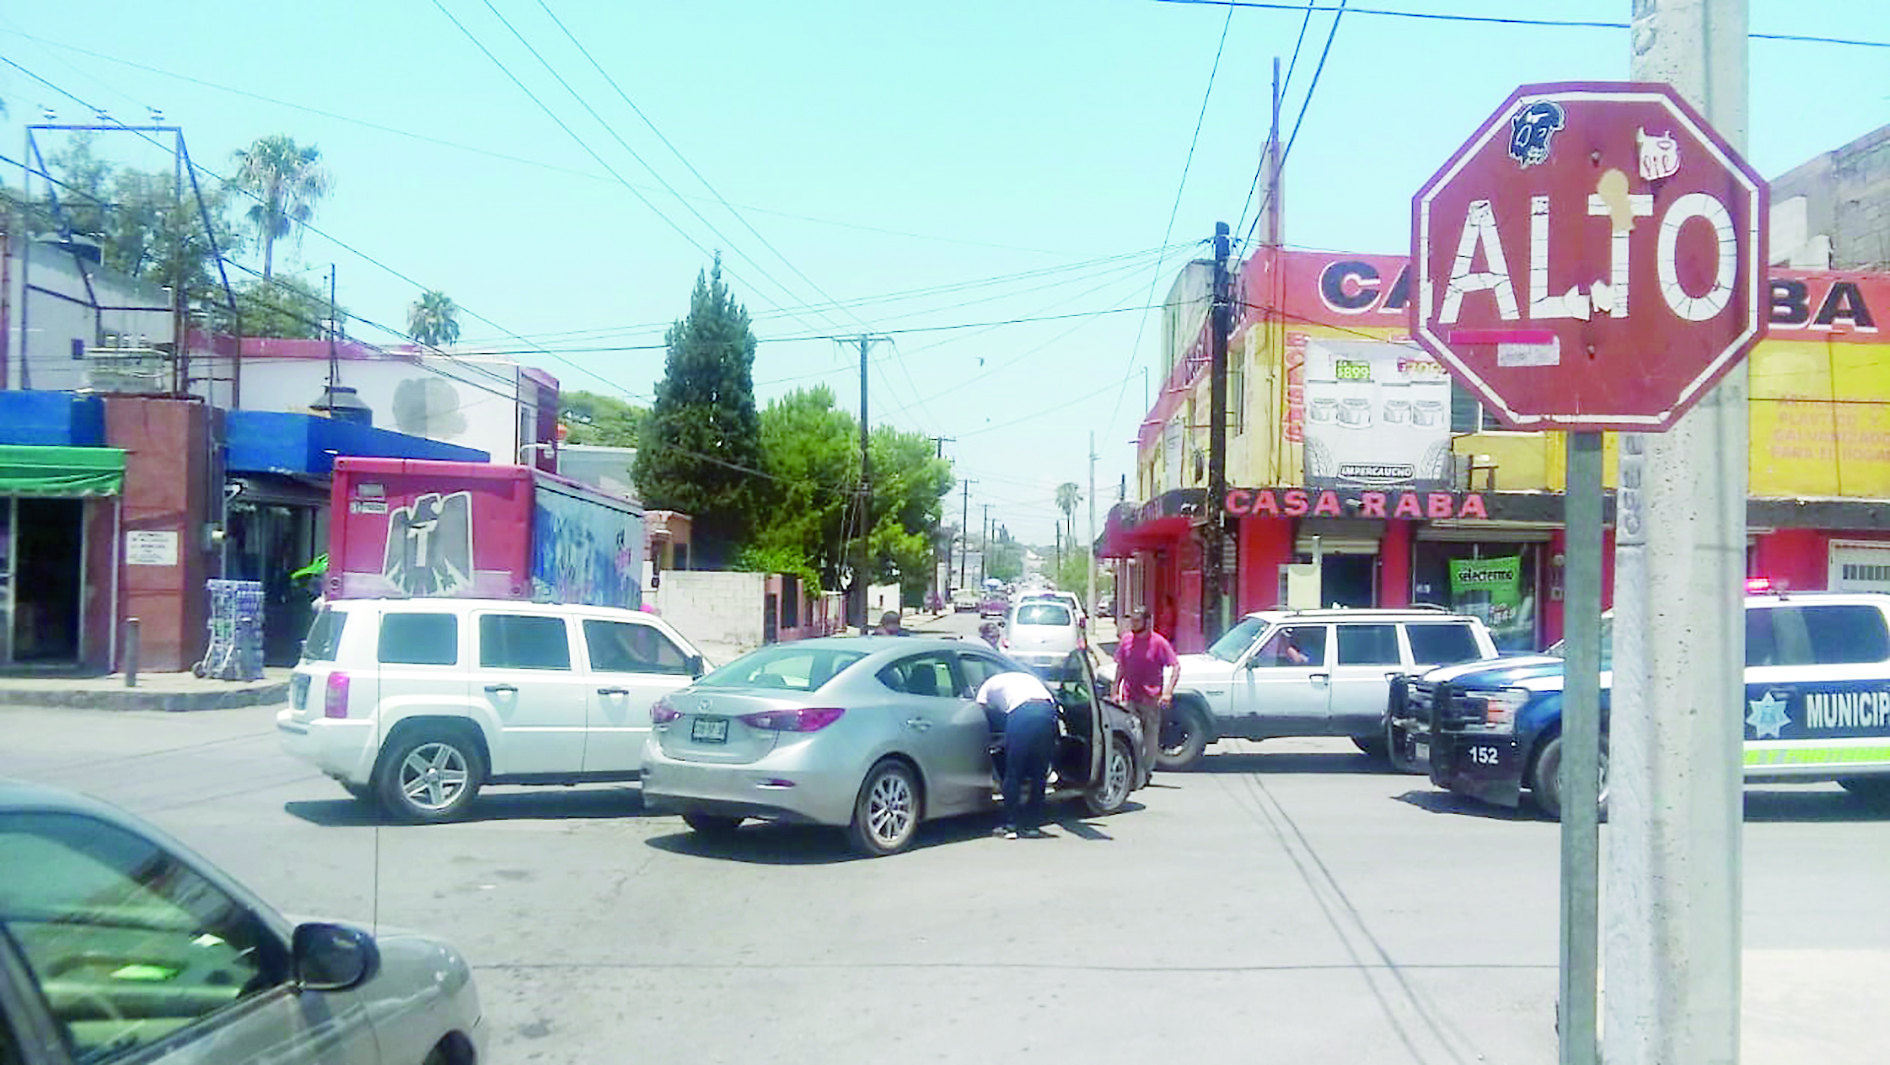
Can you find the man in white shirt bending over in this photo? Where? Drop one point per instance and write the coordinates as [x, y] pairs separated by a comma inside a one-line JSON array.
[[1018, 704]]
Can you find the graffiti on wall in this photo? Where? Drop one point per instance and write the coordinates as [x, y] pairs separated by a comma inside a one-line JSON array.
[[583, 553]]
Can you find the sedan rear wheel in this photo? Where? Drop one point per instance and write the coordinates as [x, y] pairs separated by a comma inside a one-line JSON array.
[[886, 815], [1118, 775]]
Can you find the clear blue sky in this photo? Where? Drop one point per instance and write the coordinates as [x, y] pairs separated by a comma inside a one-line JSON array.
[[879, 147]]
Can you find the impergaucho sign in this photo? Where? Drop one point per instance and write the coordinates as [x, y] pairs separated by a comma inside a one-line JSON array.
[[1592, 258]]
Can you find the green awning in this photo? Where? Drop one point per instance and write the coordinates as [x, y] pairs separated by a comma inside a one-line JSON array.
[[27, 470]]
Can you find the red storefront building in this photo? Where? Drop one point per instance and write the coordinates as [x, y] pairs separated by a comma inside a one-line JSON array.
[[1360, 475]]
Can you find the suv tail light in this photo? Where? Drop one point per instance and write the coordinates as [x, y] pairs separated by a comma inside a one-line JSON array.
[[335, 697], [802, 720], [661, 713]]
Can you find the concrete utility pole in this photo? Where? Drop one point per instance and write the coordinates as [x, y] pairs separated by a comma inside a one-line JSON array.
[[1089, 549], [857, 606], [1672, 939], [984, 552], [964, 534], [1213, 576]]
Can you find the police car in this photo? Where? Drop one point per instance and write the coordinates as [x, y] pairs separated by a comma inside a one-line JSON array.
[[1816, 707]]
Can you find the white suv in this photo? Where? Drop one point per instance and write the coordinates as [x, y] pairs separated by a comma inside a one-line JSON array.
[[420, 702], [1309, 673]]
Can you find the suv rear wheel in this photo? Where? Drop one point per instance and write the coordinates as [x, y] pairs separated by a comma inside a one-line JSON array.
[[1183, 739], [431, 774]]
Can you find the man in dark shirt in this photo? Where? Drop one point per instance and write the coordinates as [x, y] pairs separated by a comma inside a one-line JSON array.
[[1146, 670]]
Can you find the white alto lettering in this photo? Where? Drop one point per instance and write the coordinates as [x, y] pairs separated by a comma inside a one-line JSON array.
[[1479, 232], [1614, 299], [1726, 258], [1571, 304]]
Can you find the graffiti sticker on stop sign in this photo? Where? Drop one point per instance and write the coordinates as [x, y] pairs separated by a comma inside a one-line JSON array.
[[1592, 258]]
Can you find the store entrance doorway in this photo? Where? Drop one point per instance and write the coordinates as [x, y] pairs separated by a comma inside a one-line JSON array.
[[45, 549], [1348, 580]]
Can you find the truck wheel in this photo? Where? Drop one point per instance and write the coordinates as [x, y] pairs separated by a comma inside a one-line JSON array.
[[431, 774], [1873, 790], [1545, 783], [1183, 740], [1371, 746], [1398, 750]]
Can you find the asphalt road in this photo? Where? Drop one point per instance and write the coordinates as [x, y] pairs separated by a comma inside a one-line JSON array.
[[1289, 903]]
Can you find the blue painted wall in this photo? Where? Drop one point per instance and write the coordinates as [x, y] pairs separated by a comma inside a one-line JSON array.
[[52, 419], [263, 441]]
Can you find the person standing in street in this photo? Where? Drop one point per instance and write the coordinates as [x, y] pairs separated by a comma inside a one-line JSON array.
[[1146, 670], [992, 635], [1018, 704]]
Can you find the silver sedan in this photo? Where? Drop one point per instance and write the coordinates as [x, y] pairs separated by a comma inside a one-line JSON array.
[[875, 734]]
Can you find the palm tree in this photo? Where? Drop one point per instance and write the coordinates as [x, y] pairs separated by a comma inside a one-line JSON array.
[[1068, 495], [433, 319], [288, 180]]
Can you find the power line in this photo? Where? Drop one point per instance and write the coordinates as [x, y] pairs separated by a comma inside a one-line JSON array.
[[1175, 209], [1439, 16], [1293, 137], [1291, 64], [486, 152]]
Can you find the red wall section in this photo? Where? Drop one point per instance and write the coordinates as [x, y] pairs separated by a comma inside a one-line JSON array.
[[1795, 559], [168, 479], [1266, 544], [1394, 564]]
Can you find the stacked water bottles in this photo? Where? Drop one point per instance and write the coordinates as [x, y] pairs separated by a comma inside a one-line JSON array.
[[236, 632]]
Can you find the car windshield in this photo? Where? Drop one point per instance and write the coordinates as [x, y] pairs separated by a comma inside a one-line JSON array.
[[796, 667], [1235, 641], [1560, 648], [1043, 613]]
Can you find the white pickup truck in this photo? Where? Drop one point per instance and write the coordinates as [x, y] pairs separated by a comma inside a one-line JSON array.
[[1308, 673]]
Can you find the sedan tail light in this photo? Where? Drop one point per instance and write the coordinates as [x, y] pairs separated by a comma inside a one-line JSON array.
[[801, 720], [335, 697], [661, 713]]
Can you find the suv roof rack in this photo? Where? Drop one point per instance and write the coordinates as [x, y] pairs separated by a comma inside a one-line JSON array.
[[1414, 608]]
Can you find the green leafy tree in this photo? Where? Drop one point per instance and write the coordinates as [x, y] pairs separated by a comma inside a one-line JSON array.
[[433, 319], [602, 421], [287, 306], [287, 181], [810, 451], [909, 481], [700, 449], [145, 225]]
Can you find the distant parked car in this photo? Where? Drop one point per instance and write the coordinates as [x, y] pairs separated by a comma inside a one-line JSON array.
[[119, 944], [965, 599], [1042, 632], [875, 734], [417, 703]]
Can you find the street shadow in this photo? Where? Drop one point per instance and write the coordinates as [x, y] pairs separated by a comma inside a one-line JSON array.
[[1810, 805], [1289, 762], [765, 843], [524, 804], [1447, 802]]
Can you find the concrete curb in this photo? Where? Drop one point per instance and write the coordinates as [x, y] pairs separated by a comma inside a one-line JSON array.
[[134, 699]]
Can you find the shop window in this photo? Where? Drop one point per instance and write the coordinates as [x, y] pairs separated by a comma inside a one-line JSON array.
[[1368, 645], [1467, 415]]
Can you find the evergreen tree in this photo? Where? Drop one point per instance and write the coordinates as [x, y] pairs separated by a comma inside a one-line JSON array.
[[701, 443]]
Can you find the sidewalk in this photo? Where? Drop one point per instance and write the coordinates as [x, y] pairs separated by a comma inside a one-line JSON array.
[[155, 691]]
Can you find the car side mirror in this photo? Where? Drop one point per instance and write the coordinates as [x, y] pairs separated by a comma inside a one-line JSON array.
[[332, 957], [697, 667]]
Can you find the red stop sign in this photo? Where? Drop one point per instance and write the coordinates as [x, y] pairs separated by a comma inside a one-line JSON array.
[[1592, 258]]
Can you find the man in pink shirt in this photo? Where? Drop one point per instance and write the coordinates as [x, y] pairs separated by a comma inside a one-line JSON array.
[[1146, 669]]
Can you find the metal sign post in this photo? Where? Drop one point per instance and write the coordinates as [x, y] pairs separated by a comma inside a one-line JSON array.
[[1592, 259]]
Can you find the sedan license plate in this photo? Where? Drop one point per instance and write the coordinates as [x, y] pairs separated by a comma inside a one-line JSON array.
[[709, 730]]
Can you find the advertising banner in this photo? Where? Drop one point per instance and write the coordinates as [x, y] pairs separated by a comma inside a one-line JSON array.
[[1376, 414], [1492, 589]]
